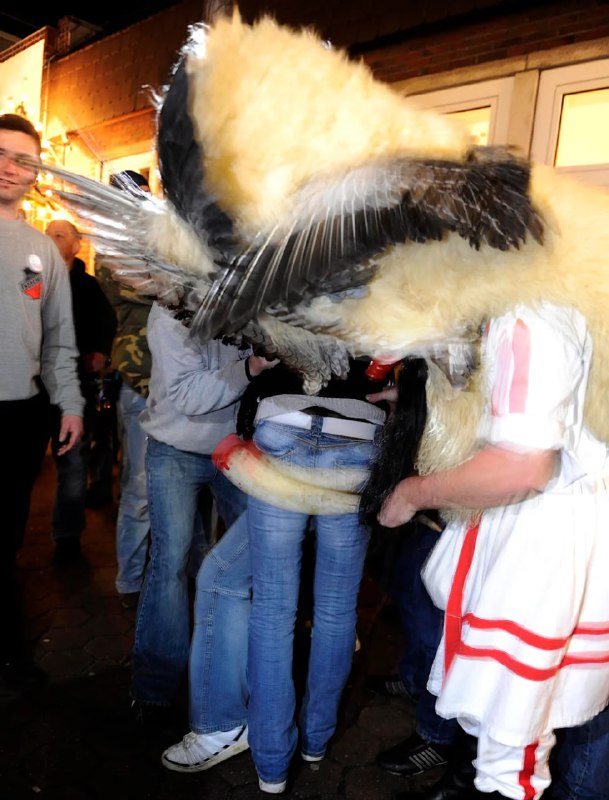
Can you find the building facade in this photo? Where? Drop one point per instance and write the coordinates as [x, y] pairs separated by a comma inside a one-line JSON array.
[[532, 75]]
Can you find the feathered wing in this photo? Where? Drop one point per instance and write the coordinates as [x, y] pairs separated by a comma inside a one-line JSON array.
[[144, 241], [333, 226], [339, 226]]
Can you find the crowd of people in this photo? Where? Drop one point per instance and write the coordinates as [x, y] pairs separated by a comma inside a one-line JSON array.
[[509, 676]]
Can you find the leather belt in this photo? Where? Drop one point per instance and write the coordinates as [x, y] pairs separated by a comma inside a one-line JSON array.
[[335, 426]]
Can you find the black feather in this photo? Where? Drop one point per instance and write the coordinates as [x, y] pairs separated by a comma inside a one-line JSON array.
[[181, 169], [400, 440], [327, 249]]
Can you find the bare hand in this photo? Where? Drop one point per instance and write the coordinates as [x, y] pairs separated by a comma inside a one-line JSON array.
[[389, 394], [258, 364], [398, 508], [70, 432], [94, 362]]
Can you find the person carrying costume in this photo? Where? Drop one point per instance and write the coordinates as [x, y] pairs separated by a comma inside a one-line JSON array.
[[321, 448], [194, 392], [132, 361], [520, 571]]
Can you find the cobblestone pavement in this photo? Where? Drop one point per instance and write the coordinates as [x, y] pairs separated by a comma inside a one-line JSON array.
[[75, 739]]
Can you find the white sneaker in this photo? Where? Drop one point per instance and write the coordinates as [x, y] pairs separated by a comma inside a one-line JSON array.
[[278, 787], [199, 751]]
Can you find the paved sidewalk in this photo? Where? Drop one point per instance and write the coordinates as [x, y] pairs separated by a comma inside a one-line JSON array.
[[75, 738]]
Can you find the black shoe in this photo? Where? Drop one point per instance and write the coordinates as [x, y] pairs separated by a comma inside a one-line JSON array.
[[389, 686], [413, 756], [21, 673], [457, 783], [67, 551]]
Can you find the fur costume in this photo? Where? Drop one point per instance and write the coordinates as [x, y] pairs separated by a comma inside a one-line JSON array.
[[316, 213]]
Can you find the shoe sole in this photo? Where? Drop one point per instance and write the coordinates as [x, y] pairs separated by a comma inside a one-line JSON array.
[[311, 759], [272, 788], [217, 758]]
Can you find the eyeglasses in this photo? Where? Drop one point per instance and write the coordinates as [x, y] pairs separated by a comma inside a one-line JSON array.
[[22, 161]]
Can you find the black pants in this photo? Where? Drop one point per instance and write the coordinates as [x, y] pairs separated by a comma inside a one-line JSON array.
[[25, 429]]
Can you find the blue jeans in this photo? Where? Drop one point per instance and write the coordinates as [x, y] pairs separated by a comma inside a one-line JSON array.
[[276, 539], [579, 764], [133, 524], [162, 630], [422, 625], [218, 652]]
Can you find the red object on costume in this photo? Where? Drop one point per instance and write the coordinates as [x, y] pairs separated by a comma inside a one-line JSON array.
[[378, 370], [225, 450]]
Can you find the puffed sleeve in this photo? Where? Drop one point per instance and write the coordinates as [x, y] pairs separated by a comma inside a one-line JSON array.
[[535, 363]]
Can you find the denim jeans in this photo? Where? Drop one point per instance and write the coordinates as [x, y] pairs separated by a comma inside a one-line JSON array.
[[162, 631], [218, 651], [276, 539], [133, 524], [580, 762], [422, 625]]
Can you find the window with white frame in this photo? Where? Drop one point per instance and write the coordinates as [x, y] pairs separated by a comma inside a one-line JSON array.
[[483, 107], [572, 121]]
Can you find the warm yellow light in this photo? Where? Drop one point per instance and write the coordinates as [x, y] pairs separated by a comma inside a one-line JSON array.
[[26, 205], [584, 122], [477, 121]]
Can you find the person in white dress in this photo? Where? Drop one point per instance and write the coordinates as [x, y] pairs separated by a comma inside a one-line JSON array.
[[525, 649]]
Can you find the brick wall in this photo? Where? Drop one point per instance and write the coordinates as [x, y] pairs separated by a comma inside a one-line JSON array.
[[103, 92], [498, 37]]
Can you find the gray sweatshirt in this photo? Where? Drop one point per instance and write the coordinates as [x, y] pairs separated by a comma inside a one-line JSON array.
[[37, 329], [194, 387]]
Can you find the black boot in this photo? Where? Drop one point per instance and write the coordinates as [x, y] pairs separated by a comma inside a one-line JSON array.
[[458, 781]]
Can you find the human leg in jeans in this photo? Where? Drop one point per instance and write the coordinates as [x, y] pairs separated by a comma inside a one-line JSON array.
[[276, 538], [133, 524], [276, 544], [340, 551], [162, 632], [218, 692]]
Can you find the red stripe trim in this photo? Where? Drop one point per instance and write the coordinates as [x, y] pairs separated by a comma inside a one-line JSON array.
[[453, 622], [592, 629], [526, 635], [573, 659], [521, 354], [528, 770], [530, 637], [525, 670]]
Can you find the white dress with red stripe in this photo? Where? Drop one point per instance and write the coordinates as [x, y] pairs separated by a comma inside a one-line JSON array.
[[526, 592]]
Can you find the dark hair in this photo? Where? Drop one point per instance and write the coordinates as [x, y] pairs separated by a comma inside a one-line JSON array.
[[127, 178], [15, 122]]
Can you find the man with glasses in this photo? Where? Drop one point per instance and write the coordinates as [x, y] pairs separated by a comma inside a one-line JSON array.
[[38, 352]]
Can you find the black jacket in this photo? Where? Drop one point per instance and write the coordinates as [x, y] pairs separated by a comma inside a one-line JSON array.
[[94, 317]]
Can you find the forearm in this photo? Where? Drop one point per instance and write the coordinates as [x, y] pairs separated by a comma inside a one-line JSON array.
[[493, 477]]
